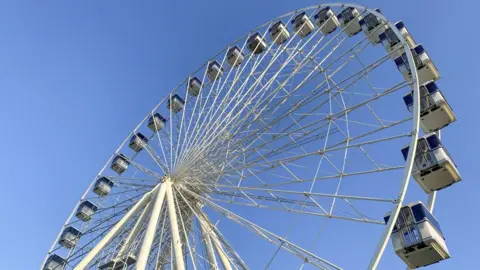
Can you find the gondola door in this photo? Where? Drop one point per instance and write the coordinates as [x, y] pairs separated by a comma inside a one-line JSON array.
[[408, 229]]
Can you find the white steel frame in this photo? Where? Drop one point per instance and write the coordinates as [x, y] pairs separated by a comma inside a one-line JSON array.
[[163, 197]]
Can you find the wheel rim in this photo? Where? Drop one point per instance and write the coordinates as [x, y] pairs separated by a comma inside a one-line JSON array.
[[300, 98]]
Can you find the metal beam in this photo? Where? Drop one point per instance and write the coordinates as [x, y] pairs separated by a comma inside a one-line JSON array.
[[151, 229], [113, 232], [176, 241], [212, 261]]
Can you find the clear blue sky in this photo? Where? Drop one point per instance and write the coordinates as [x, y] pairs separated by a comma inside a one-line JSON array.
[[77, 76]]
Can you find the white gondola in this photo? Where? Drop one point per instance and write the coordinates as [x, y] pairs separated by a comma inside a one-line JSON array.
[[119, 263], [426, 70], [103, 186], [433, 167], [372, 27], [235, 56], [138, 142], [326, 20], [156, 122], [175, 103], [279, 33], [256, 43], [435, 112], [54, 262], [119, 164], [349, 19], [302, 25], [392, 43], [214, 70], [417, 238], [70, 237], [194, 86], [86, 210]]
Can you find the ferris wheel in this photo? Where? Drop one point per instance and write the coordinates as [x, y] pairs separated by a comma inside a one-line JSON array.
[[291, 142]]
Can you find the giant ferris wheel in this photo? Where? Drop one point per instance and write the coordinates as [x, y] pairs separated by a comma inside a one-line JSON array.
[[289, 149]]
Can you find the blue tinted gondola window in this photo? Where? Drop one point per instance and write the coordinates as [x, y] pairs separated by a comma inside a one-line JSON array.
[[420, 213], [89, 205], [431, 87], [250, 39], [400, 25], [275, 26], [408, 99], [371, 21], [399, 61], [347, 15], [382, 36], [405, 152], [73, 231], [55, 258], [299, 17], [419, 49], [391, 36], [434, 142], [105, 180], [157, 116], [395, 227], [178, 98], [322, 12], [195, 79], [140, 136], [216, 65], [322, 15]]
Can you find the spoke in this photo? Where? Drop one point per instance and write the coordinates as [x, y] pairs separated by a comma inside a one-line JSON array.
[[184, 230], [271, 237], [307, 194], [278, 199], [105, 240], [320, 152], [152, 227]]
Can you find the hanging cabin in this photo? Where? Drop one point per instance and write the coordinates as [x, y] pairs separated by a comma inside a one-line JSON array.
[[326, 20], [256, 43], [426, 69], [138, 142], [433, 168], [372, 27], [54, 262], [119, 164], [417, 238], [349, 19], [156, 122], [175, 103], [86, 210], [214, 71], [302, 25], [435, 112], [235, 56], [69, 237], [194, 86], [102, 186], [279, 33], [392, 43]]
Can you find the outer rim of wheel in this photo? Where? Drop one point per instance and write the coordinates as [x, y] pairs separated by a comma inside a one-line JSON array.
[[383, 241]]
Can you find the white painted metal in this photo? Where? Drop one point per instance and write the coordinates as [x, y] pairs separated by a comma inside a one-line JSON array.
[[377, 255], [176, 242], [221, 253], [152, 227], [211, 126], [212, 260], [112, 233]]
